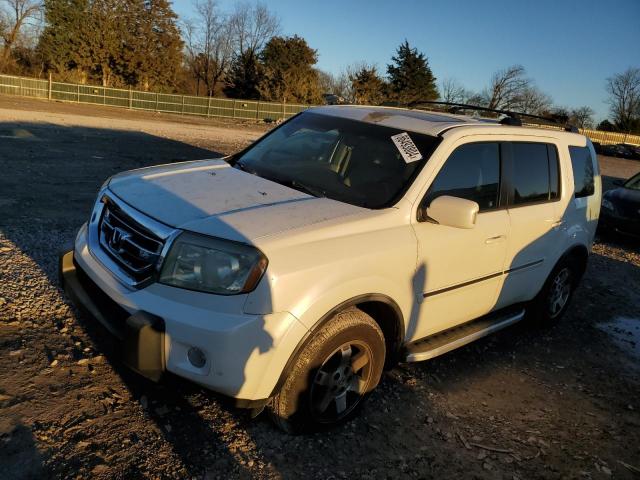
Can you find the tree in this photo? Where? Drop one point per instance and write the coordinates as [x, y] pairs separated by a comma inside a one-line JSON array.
[[531, 100], [410, 77], [367, 86], [244, 77], [102, 33], [289, 75], [581, 117], [624, 99], [252, 26], [452, 92], [209, 45], [116, 42], [62, 43], [507, 88], [13, 20], [158, 46], [606, 126], [337, 84], [559, 114]]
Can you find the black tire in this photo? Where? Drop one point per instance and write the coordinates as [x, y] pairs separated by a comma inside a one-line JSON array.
[[544, 309], [329, 381]]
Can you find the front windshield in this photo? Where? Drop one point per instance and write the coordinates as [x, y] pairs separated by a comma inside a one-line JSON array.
[[633, 183], [342, 159]]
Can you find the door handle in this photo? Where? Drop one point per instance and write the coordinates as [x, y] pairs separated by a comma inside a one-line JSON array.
[[497, 238], [555, 223]]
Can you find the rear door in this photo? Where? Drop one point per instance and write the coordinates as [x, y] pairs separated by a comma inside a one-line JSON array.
[[532, 174]]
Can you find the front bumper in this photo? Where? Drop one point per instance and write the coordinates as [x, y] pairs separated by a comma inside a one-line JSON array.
[[612, 221], [158, 325]]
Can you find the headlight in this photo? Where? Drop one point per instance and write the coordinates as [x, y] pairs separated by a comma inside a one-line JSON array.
[[607, 204], [207, 264]]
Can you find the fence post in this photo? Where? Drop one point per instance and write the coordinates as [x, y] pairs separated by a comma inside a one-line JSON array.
[[208, 106], [130, 97], [182, 105], [50, 86], [257, 110], [78, 94], [104, 95], [284, 111], [21, 94], [156, 101], [234, 109]]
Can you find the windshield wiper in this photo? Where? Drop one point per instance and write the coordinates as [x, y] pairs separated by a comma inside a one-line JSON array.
[[287, 182], [244, 168], [303, 187]]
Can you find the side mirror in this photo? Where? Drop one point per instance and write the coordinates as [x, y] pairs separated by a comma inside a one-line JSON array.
[[453, 212]]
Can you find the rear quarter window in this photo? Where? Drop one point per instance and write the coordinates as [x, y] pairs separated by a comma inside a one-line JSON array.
[[582, 165]]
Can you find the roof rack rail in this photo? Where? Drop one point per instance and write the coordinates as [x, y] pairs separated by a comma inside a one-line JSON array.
[[511, 118]]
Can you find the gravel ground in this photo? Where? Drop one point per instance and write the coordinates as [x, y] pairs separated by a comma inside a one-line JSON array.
[[524, 403]]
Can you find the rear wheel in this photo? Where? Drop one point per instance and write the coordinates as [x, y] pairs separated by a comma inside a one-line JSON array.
[[332, 375], [554, 298]]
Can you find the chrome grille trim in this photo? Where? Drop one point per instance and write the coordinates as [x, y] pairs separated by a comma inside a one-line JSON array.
[[136, 255]]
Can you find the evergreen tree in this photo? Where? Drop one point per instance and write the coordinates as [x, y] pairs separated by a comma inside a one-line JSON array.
[[410, 77], [244, 77], [289, 75], [62, 44], [115, 42], [155, 50], [367, 87]]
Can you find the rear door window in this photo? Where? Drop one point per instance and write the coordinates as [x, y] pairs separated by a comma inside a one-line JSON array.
[[534, 173], [582, 164]]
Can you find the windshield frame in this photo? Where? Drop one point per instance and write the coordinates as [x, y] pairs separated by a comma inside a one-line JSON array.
[[234, 159]]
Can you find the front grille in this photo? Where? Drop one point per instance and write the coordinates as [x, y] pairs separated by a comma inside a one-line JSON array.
[[133, 247]]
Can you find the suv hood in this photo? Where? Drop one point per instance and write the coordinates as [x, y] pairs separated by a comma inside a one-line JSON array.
[[213, 198]]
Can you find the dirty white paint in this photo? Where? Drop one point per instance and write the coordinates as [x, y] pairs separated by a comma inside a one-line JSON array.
[[625, 332], [212, 198]]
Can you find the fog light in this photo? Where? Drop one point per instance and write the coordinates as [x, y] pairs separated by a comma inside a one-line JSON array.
[[196, 357]]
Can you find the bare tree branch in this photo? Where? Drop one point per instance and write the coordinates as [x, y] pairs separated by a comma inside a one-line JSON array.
[[531, 100], [15, 15], [252, 26], [506, 87], [453, 92], [581, 117], [208, 44], [624, 98]]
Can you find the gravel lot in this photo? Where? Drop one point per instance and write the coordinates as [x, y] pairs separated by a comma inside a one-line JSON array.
[[525, 403]]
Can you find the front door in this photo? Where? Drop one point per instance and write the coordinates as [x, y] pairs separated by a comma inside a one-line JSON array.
[[459, 271]]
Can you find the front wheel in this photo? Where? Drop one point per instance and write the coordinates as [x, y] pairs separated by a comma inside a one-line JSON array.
[[332, 375]]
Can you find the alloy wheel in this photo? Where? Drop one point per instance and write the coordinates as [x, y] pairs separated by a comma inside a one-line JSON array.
[[559, 292], [341, 381]]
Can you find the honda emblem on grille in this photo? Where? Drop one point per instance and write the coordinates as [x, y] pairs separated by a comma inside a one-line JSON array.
[[117, 239]]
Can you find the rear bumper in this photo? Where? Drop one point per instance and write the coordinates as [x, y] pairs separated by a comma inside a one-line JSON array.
[[159, 325]]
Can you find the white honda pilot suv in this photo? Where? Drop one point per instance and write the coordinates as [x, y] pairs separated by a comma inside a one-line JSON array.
[[290, 274]]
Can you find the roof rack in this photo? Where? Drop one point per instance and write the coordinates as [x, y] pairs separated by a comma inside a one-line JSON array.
[[511, 118]]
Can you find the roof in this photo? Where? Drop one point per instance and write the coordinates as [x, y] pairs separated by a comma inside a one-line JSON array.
[[430, 123]]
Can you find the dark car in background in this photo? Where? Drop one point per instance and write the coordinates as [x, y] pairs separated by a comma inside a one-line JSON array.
[[621, 208], [621, 150]]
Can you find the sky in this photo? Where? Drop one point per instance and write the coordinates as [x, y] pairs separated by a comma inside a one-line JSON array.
[[568, 47]]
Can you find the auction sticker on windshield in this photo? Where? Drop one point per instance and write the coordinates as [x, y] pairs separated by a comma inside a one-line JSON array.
[[406, 147]]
